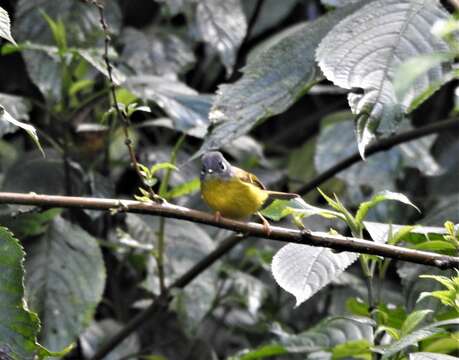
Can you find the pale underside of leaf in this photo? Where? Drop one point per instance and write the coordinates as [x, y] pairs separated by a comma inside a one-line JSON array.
[[302, 270], [5, 26], [364, 50]]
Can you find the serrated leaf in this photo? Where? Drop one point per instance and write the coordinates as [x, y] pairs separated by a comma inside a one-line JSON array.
[[364, 50], [380, 197], [19, 326], [430, 356], [5, 26], [302, 270], [65, 281], [222, 24], [271, 82]]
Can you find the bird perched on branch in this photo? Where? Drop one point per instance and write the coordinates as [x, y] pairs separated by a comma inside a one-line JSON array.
[[233, 192]]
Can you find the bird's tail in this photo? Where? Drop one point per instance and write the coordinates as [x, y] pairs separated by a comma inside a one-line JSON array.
[[282, 195]]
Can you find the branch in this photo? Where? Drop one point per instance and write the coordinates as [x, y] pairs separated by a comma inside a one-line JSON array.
[[382, 145], [163, 300], [167, 210]]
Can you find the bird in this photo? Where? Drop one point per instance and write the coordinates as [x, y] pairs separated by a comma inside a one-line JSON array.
[[233, 192]]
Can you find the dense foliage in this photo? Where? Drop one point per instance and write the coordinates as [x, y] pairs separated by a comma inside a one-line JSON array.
[[119, 99]]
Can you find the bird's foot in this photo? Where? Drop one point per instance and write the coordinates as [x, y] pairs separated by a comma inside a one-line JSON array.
[[265, 223], [217, 216]]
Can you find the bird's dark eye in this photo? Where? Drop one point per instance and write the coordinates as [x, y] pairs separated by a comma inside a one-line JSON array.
[[203, 171], [222, 165]]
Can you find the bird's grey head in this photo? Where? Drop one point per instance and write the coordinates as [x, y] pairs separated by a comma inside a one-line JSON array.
[[214, 164]]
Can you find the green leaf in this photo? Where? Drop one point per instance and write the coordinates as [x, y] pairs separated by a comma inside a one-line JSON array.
[[183, 189], [5, 26], [162, 166], [19, 326], [272, 81], [413, 320], [356, 349], [376, 199], [263, 352], [65, 281], [31, 131], [365, 54], [437, 246], [295, 268], [58, 29], [279, 209]]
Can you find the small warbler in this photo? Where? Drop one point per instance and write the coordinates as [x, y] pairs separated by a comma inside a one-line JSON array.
[[233, 192]]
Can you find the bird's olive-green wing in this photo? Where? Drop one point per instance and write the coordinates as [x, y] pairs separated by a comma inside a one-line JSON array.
[[247, 177]]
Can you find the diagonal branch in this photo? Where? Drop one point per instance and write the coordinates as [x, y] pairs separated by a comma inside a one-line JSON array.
[[382, 145], [321, 239], [283, 234]]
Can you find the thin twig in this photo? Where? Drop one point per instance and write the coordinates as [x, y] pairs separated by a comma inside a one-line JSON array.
[[120, 114], [382, 145]]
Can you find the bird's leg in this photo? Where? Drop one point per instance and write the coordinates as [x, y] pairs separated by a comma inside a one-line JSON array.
[[266, 225], [217, 216]]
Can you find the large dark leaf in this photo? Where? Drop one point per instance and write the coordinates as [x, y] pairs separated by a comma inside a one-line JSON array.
[[272, 81], [65, 281]]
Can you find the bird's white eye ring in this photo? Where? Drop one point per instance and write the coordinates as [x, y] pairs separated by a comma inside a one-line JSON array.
[[222, 166]]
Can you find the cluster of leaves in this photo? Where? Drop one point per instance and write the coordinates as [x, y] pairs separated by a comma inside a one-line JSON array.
[[83, 274]]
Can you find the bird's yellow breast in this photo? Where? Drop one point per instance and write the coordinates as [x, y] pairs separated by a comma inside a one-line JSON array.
[[233, 198]]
